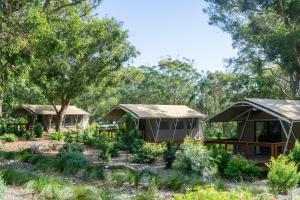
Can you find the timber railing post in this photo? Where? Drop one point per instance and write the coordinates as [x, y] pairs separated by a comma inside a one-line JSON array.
[[247, 150], [272, 151]]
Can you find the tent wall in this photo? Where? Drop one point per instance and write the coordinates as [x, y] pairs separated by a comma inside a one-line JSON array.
[[248, 135], [164, 134], [69, 123]]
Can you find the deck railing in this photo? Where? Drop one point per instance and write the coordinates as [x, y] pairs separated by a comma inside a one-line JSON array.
[[247, 145]]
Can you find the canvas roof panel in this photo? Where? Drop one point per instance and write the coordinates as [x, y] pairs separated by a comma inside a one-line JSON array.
[[288, 110], [144, 111], [49, 110]]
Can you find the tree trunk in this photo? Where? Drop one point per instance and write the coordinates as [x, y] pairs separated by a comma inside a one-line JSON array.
[[294, 85], [61, 113], [1, 102]]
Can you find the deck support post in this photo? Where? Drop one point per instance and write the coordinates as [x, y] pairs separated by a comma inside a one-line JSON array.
[[288, 138]]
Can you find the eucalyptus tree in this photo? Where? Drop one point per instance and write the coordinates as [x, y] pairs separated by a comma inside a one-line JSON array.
[[266, 34], [75, 53], [20, 22]]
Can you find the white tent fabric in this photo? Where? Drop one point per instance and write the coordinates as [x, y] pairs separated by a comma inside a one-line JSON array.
[[147, 111]]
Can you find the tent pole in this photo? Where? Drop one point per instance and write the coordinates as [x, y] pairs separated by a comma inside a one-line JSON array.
[[284, 130], [191, 126], [151, 128], [175, 129], [158, 127], [243, 130], [249, 110], [288, 138]]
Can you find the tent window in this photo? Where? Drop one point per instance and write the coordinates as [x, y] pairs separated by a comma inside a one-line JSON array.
[[189, 123], [68, 119], [180, 125], [164, 125]]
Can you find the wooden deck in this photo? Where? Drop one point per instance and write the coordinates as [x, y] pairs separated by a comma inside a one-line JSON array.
[[274, 148]]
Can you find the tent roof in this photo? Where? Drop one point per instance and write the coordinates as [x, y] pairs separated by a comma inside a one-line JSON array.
[[287, 110], [49, 109], [144, 111]]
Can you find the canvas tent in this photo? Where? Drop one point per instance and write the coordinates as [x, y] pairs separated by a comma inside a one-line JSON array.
[[46, 115], [161, 122], [264, 120]]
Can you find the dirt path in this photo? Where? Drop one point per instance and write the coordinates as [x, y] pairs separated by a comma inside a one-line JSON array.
[[18, 193]]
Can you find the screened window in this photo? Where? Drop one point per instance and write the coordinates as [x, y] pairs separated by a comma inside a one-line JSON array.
[[164, 125], [191, 124], [180, 124], [68, 120]]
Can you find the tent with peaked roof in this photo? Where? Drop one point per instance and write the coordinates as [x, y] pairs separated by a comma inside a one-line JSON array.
[[161, 122], [46, 115], [263, 120]]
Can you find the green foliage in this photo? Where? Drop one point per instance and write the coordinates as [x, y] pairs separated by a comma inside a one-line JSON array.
[[76, 40], [221, 158], [294, 154], [149, 194], [282, 175], [262, 35], [28, 135], [242, 169], [72, 147], [68, 137], [195, 158], [38, 129], [2, 187], [169, 154], [58, 136], [94, 173], [144, 155], [129, 137], [177, 181], [71, 162], [50, 187], [210, 193], [9, 137]]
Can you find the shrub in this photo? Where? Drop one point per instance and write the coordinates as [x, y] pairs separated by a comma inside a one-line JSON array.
[[72, 162], [240, 168], [209, 193], [68, 137], [88, 139], [149, 194], [195, 158], [50, 187], [28, 135], [294, 154], [94, 172], [2, 187], [9, 137], [282, 175], [38, 129], [105, 154], [221, 158], [72, 147], [129, 137], [169, 154], [58, 136], [144, 155]]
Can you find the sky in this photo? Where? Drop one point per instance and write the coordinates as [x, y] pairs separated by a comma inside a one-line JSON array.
[[176, 28]]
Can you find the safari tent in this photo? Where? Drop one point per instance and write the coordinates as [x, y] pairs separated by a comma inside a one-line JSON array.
[[264, 126], [46, 115], [159, 123]]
